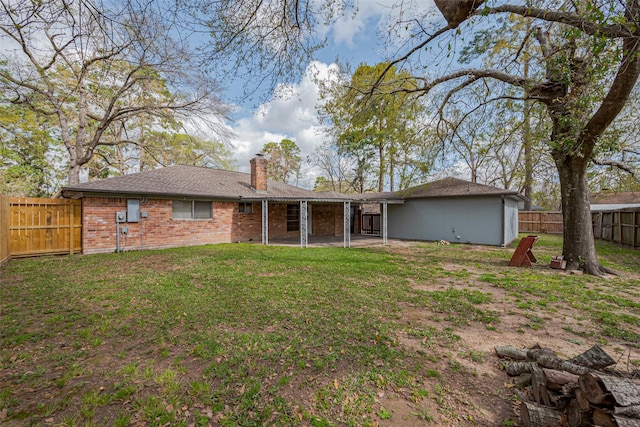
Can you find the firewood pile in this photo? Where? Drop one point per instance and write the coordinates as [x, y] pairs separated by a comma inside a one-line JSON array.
[[582, 391]]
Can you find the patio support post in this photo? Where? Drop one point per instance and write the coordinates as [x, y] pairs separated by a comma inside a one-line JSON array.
[[347, 224], [303, 224], [384, 223], [265, 222]]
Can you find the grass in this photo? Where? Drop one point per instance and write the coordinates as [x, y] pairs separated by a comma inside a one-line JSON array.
[[239, 334]]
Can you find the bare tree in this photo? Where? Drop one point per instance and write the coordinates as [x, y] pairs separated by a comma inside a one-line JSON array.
[[90, 68]]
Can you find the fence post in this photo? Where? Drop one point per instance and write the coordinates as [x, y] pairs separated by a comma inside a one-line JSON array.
[[620, 225], [71, 225], [634, 226], [4, 228], [540, 222]]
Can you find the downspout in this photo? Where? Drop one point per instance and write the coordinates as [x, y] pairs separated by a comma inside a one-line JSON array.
[[503, 237]]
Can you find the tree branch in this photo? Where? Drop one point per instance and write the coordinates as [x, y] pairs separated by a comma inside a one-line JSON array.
[[571, 19], [615, 164], [474, 74]]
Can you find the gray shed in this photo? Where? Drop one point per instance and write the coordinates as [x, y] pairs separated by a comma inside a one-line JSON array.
[[456, 211]]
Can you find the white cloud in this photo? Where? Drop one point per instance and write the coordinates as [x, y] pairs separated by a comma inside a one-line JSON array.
[[372, 17], [290, 113]]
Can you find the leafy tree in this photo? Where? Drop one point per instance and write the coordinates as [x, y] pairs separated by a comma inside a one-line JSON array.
[[89, 68], [164, 149], [378, 133], [591, 64], [284, 160], [496, 45], [26, 160]]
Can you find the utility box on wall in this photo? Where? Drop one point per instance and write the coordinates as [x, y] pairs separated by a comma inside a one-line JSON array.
[[133, 210], [121, 217]]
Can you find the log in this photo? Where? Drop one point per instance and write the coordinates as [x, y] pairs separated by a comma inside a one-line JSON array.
[[569, 389], [624, 391], [510, 352], [594, 390], [561, 365], [606, 419], [559, 401], [581, 400], [594, 358], [605, 389], [576, 417], [516, 368], [603, 418], [556, 379], [629, 411], [539, 386], [535, 353], [534, 415], [523, 381], [626, 422]]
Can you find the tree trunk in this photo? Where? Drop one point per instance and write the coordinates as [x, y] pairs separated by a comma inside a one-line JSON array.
[[526, 136], [73, 174], [382, 168], [579, 248]]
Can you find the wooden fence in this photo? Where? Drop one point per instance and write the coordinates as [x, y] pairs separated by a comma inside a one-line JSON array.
[[32, 226], [621, 226], [4, 228], [540, 222]]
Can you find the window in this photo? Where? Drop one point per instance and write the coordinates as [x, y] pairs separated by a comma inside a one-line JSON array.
[[191, 209], [293, 217], [245, 207]]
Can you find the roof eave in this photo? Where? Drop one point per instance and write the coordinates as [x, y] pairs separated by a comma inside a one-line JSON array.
[[71, 193]]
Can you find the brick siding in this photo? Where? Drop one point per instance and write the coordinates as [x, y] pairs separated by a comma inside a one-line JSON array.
[[160, 230]]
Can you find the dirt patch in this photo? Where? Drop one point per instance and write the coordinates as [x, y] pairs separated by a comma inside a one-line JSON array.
[[474, 388]]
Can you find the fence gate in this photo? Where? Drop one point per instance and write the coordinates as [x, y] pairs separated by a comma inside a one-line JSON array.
[[371, 224], [43, 226]]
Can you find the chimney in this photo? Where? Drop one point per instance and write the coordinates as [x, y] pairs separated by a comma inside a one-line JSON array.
[[259, 173]]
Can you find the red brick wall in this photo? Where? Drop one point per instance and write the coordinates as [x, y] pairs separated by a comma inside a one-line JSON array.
[[245, 226], [327, 220], [160, 230], [278, 221]]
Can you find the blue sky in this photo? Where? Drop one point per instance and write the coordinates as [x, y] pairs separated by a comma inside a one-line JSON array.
[[353, 39]]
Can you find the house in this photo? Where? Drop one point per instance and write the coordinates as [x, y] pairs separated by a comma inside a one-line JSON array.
[[601, 202], [187, 205], [456, 211]]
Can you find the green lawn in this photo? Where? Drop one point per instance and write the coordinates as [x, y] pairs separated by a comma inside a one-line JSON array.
[[239, 334]]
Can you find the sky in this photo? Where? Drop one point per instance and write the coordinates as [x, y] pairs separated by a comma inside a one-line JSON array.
[[354, 40]]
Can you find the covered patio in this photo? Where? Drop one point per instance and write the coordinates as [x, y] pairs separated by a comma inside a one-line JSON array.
[[344, 235]]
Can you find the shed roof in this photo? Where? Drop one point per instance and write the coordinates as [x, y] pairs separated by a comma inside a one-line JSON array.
[[446, 187]]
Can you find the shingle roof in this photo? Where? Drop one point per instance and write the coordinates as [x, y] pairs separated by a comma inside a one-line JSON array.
[[190, 181], [629, 197], [207, 183], [447, 187]]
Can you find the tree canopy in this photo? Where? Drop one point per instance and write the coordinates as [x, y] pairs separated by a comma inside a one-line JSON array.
[[284, 160], [92, 70]]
